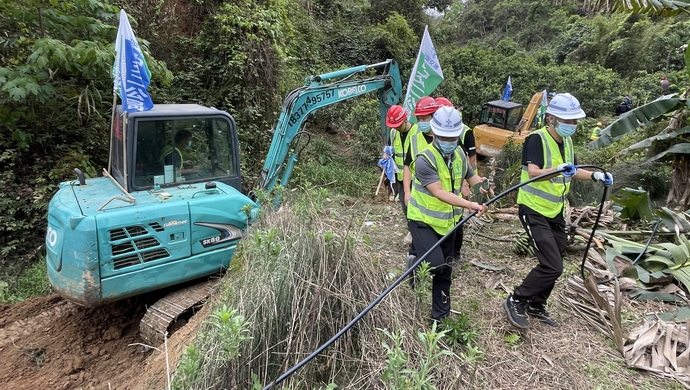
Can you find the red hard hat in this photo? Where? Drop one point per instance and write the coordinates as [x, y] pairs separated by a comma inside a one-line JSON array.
[[443, 102], [396, 116], [426, 106]]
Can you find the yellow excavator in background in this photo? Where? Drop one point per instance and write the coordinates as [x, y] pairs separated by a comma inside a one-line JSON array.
[[502, 120]]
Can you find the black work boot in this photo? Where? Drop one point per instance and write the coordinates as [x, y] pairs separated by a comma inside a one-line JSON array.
[[538, 311], [516, 312]]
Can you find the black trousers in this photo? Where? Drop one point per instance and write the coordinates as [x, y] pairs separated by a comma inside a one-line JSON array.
[[548, 238], [459, 233], [401, 197], [424, 237]]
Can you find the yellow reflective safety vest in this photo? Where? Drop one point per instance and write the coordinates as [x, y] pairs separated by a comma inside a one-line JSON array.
[[595, 133], [461, 139], [465, 129], [548, 197], [400, 149], [169, 149], [427, 208], [415, 142]]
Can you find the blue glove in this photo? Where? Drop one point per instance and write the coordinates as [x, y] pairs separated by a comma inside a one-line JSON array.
[[570, 170], [606, 179]]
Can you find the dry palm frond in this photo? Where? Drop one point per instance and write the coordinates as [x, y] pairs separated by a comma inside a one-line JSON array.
[[662, 349], [599, 305], [659, 348], [585, 216]]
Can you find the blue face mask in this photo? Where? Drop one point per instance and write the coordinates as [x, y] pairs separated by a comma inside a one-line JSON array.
[[446, 148], [424, 127], [565, 130]]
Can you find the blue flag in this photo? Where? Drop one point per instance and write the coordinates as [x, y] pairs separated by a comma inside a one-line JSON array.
[[131, 74], [507, 91]]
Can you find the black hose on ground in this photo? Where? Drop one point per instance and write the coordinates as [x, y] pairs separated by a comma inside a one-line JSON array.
[[422, 258]]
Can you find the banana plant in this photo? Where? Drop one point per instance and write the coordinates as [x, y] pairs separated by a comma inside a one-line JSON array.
[[658, 261], [652, 7], [670, 105]]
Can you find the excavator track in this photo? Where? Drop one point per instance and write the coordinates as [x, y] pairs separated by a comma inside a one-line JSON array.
[[162, 315]]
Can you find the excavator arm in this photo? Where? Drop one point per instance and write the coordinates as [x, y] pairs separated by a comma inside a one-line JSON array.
[[320, 91], [530, 113]]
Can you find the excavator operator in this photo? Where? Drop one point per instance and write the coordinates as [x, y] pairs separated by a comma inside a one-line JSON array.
[[173, 155]]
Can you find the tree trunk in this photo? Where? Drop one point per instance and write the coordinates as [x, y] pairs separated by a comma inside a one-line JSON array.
[[679, 196]]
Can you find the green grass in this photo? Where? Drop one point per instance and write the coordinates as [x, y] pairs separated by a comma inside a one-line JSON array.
[[33, 282]]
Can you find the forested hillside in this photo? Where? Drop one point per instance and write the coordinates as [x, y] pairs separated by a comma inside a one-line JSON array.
[[244, 57]]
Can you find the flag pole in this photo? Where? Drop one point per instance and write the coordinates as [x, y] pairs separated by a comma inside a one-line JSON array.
[[383, 172], [112, 128]]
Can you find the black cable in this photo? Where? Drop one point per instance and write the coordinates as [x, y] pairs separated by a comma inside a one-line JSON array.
[[596, 221], [400, 280], [596, 224], [433, 247], [646, 246]]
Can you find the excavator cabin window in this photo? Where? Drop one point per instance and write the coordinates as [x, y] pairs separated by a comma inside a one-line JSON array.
[[502, 117], [494, 116], [171, 151]]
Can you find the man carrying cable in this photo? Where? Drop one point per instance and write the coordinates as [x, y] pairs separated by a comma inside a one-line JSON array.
[[436, 202], [542, 206]]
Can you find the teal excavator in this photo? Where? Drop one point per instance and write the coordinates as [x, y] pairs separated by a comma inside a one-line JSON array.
[[168, 210]]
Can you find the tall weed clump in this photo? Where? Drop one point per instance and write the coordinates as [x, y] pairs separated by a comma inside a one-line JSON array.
[[296, 282]]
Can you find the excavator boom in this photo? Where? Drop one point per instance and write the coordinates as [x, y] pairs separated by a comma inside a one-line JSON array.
[[530, 112], [320, 91]]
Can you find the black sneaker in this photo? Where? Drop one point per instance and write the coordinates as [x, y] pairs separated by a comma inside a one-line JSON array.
[[516, 312], [537, 311]]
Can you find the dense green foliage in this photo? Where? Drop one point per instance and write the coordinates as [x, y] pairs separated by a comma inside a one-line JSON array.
[[245, 56]]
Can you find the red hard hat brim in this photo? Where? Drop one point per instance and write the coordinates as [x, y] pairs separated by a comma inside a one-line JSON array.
[[394, 124]]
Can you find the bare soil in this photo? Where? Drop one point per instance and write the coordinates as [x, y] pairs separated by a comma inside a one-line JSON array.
[[49, 343]]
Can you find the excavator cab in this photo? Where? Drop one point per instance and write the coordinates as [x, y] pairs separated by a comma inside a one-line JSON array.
[[173, 144], [501, 121], [501, 114]]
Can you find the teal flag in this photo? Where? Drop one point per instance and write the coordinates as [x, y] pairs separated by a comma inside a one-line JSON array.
[[425, 77]]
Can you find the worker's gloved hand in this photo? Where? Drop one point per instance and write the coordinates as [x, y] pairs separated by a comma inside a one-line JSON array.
[[607, 179], [570, 170]]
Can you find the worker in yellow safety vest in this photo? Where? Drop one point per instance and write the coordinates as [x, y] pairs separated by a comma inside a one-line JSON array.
[[467, 144], [400, 128], [541, 206], [417, 140], [595, 132], [436, 203]]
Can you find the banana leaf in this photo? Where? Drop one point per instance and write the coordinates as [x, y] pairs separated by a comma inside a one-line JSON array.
[[642, 295], [636, 204], [681, 314], [660, 259], [677, 252], [636, 118], [683, 276], [673, 221], [649, 7], [611, 254], [646, 143], [683, 148]]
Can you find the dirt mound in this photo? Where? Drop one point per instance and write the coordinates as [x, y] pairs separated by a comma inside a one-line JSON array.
[[50, 343]]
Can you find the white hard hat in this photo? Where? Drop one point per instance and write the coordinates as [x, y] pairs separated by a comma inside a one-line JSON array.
[[446, 122], [565, 106]]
